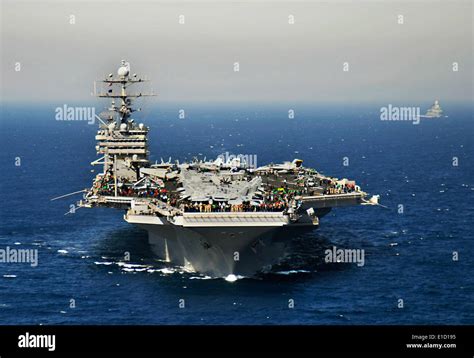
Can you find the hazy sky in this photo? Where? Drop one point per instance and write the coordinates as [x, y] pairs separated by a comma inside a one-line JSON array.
[[278, 61]]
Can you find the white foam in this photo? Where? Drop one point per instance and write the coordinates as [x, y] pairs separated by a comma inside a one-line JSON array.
[[151, 270], [233, 278], [63, 251], [166, 270], [103, 263], [124, 264], [201, 278], [291, 272], [230, 278], [127, 269]]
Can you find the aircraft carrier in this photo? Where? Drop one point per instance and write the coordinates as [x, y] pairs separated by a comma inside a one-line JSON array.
[[222, 218]]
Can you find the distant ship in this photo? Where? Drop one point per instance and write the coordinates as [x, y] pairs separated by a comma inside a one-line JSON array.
[[434, 112], [220, 218]]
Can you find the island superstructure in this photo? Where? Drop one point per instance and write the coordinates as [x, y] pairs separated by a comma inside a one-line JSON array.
[[216, 217]]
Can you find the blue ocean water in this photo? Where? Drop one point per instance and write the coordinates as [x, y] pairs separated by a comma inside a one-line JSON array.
[[409, 256]]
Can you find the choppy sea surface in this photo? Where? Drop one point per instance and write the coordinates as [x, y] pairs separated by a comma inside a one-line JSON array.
[[408, 256]]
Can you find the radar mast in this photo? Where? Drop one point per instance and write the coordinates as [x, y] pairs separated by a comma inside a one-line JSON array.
[[115, 87]]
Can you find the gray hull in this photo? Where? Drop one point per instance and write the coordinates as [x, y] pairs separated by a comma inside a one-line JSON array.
[[223, 251], [218, 252]]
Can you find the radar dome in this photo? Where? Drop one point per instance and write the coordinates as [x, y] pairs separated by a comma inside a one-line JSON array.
[[123, 71], [141, 126], [123, 127]]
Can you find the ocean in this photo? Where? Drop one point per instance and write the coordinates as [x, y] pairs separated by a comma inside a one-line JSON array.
[[418, 265]]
